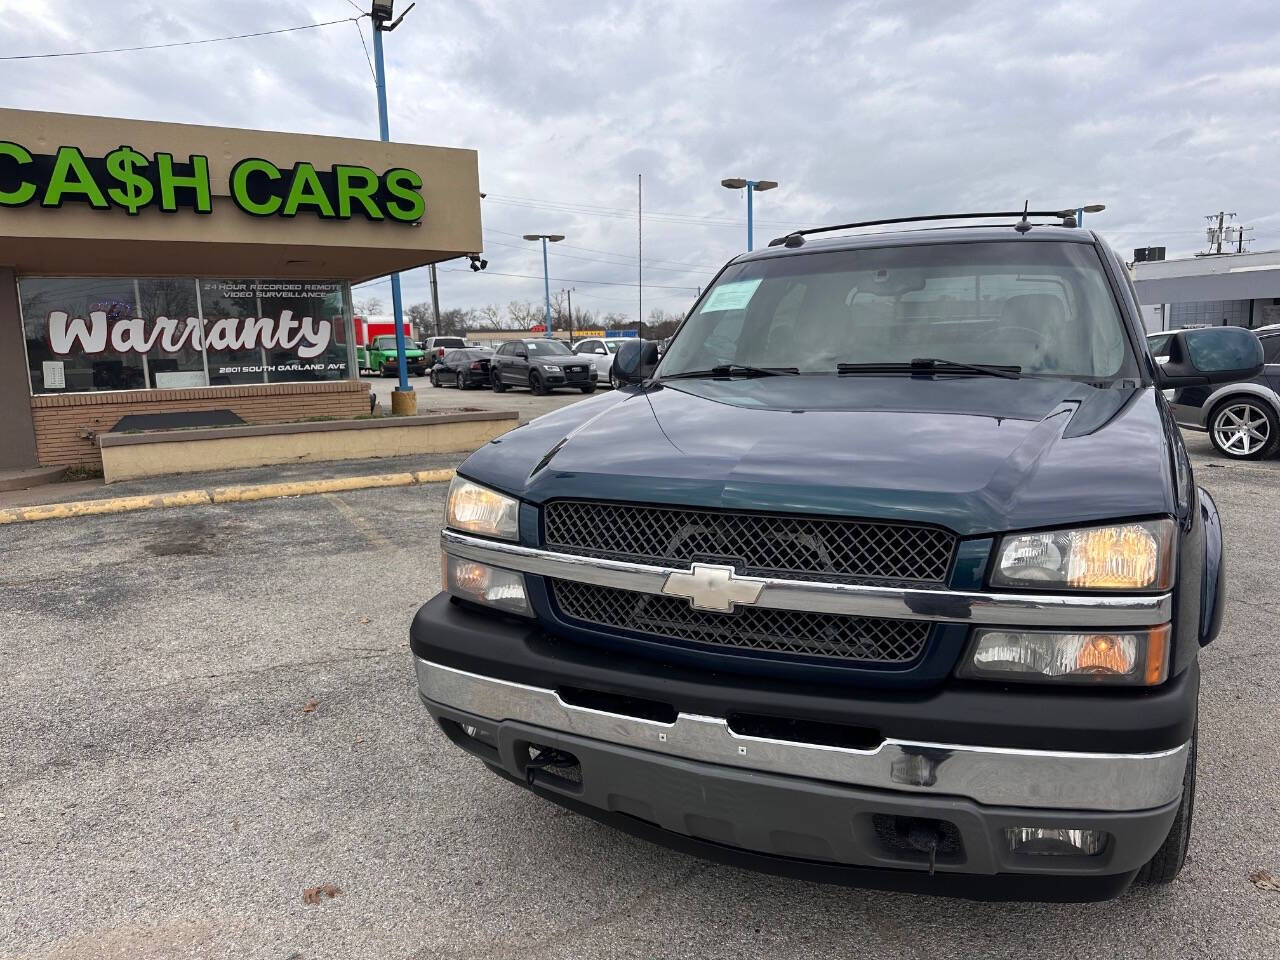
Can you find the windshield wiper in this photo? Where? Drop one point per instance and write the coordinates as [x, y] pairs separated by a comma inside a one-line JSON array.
[[933, 364], [734, 370]]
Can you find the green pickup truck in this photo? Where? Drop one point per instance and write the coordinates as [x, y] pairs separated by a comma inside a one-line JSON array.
[[381, 357]]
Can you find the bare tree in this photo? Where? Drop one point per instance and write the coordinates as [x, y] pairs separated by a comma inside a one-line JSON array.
[[368, 306], [662, 323], [489, 317], [523, 315], [422, 319], [455, 322]]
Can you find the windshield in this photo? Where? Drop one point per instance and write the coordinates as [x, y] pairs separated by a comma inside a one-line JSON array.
[[612, 345], [545, 347], [388, 343], [1043, 307]]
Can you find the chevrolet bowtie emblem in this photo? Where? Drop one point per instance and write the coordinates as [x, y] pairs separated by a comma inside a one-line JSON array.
[[712, 587]]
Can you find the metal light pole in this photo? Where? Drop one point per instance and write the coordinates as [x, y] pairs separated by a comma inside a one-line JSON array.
[[546, 273], [382, 23], [751, 186]]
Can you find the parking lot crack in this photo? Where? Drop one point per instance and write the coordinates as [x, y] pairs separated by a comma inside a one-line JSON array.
[[286, 665]]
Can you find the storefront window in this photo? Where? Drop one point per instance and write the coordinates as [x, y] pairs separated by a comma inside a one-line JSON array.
[[54, 310], [93, 333], [175, 298]]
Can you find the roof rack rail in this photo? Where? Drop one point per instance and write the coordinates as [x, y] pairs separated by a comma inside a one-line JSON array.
[[1068, 218]]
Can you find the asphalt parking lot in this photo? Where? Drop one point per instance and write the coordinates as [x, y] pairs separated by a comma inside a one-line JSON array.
[[213, 710], [433, 398]]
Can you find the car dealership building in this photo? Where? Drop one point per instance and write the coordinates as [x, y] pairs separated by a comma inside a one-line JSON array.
[[158, 273], [1237, 289]]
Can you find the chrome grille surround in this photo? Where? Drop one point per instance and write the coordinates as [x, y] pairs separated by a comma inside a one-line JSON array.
[[798, 547]]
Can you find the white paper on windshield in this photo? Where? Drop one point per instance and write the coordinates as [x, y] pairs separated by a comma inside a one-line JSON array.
[[731, 296]]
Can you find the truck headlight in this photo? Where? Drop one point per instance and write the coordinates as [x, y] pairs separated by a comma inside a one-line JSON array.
[[481, 583], [1126, 556], [1130, 658], [476, 509]]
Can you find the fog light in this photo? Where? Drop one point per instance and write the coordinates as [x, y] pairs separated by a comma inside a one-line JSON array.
[[481, 583], [1055, 841]]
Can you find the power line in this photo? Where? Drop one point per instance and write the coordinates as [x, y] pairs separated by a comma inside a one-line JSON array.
[[590, 209], [179, 43], [610, 263], [609, 253], [603, 283], [368, 60]]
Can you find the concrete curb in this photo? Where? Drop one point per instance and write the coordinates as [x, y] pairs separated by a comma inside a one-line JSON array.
[[241, 493]]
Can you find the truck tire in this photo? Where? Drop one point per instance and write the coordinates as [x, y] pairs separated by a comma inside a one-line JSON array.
[[1168, 860], [498, 385], [1244, 427]]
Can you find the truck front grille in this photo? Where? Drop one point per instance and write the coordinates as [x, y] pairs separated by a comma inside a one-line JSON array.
[[865, 639], [760, 544]]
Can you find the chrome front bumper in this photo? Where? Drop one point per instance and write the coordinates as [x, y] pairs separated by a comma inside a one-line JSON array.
[[1040, 779]]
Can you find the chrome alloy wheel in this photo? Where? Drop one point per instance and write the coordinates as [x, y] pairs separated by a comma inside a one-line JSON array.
[[1241, 429]]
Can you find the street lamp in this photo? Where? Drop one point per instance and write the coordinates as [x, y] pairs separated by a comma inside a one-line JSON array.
[[1091, 208], [546, 275], [380, 13], [751, 186]]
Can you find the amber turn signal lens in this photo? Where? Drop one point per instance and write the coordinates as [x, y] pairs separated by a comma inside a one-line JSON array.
[[1133, 658], [1101, 652]]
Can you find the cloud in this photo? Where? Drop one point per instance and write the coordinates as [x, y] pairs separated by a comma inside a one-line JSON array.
[[1163, 111]]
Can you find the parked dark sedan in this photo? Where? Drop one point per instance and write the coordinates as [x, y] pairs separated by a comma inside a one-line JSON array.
[[462, 368]]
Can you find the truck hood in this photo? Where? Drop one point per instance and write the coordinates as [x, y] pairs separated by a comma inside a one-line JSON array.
[[974, 454]]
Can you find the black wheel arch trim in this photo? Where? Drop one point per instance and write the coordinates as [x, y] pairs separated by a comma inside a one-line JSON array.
[[1213, 588]]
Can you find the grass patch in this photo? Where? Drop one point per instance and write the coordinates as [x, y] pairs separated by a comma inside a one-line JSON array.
[[80, 472]]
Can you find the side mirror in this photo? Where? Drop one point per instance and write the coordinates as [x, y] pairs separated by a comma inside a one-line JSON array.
[[635, 361], [1210, 355]]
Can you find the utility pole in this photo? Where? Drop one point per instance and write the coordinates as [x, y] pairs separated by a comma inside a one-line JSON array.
[[403, 400], [435, 298], [1219, 231], [569, 296]]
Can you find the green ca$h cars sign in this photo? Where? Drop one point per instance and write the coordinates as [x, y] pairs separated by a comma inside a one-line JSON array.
[[132, 181]]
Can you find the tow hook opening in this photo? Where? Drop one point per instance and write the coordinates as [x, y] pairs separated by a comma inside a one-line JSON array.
[[551, 767], [919, 839]]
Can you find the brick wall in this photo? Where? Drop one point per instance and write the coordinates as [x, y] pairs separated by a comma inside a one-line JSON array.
[[63, 422]]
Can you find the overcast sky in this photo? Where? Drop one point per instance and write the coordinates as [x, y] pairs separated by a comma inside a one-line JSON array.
[[1165, 111]]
